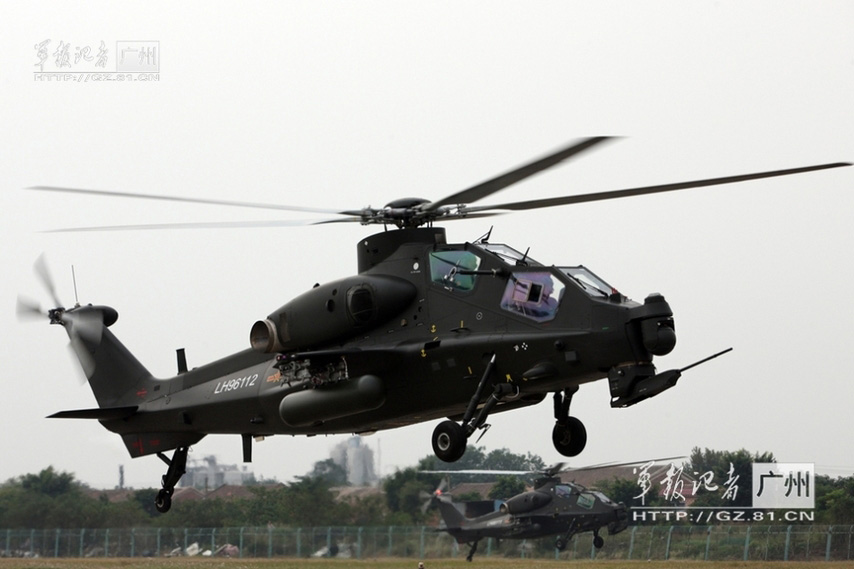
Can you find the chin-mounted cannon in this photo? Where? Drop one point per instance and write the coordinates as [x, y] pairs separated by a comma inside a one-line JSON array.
[[633, 383]]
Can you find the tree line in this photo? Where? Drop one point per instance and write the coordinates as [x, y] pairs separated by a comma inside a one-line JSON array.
[[52, 499]]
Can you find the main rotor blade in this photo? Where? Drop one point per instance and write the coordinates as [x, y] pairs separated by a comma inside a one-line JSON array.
[[555, 468], [613, 194], [186, 200], [604, 465], [451, 216], [200, 225], [480, 471], [489, 187]]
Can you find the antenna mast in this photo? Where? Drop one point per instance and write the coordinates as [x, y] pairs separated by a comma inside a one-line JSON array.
[[74, 281]]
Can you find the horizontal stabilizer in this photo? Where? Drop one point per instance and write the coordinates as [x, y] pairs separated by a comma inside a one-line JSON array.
[[106, 413]]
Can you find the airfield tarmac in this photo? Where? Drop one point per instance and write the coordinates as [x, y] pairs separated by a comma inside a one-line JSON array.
[[400, 563]]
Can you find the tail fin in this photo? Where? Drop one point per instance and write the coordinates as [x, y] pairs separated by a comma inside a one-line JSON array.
[[454, 519], [114, 374]]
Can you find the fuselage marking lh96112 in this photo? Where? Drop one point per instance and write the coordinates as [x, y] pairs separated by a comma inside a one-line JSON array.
[[235, 383]]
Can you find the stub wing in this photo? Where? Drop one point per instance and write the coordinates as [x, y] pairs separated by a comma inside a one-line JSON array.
[[102, 414]]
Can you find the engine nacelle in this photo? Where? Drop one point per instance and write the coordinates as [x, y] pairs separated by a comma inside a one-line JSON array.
[[526, 502], [334, 311]]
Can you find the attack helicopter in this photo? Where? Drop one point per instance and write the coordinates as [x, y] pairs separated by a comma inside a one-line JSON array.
[[426, 330], [552, 507]]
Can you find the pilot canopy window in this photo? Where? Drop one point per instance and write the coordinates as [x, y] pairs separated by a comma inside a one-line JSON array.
[[535, 295], [589, 283], [454, 269], [586, 500]]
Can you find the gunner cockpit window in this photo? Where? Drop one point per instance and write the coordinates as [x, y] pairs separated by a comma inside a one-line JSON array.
[[454, 270]]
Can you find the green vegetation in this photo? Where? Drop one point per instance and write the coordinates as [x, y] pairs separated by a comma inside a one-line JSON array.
[[476, 459], [51, 499], [55, 499], [834, 499], [392, 563], [506, 486]]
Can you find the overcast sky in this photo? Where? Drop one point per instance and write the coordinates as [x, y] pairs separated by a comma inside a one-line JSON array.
[[348, 104]]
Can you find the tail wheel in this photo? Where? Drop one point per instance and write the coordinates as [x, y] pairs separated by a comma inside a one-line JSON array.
[[571, 438], [449, 441], [163, 501]]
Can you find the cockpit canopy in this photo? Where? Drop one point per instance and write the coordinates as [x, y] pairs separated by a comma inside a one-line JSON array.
[[533, 290]]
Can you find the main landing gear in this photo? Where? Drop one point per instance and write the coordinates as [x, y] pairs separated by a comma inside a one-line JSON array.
[[450, 437], [562, 541], [472, 551], [569, 435], [177, 468]]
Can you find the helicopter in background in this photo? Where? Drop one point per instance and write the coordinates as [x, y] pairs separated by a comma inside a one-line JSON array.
[[426, 330], [551, 507]]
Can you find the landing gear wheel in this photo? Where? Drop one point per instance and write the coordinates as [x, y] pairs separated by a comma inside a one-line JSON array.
[[560, 544], [177, 468], [571, 438], [163, 501], [449, 441], [598, 542]]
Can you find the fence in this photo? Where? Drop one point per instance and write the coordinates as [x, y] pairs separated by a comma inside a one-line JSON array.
[[658, 542]]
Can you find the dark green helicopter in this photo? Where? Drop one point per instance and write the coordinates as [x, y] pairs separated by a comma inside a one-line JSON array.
[[551, 507], [426, 330]]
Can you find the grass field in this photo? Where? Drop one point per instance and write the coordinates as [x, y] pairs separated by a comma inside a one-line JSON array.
[[393, 563]]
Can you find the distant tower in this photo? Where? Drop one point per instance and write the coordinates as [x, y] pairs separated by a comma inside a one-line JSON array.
[[357, 460], [121, 477]]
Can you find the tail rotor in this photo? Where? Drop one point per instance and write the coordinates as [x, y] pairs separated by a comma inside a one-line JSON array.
[[43, 273], [428, 498], [28, 310], [82, 324]]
